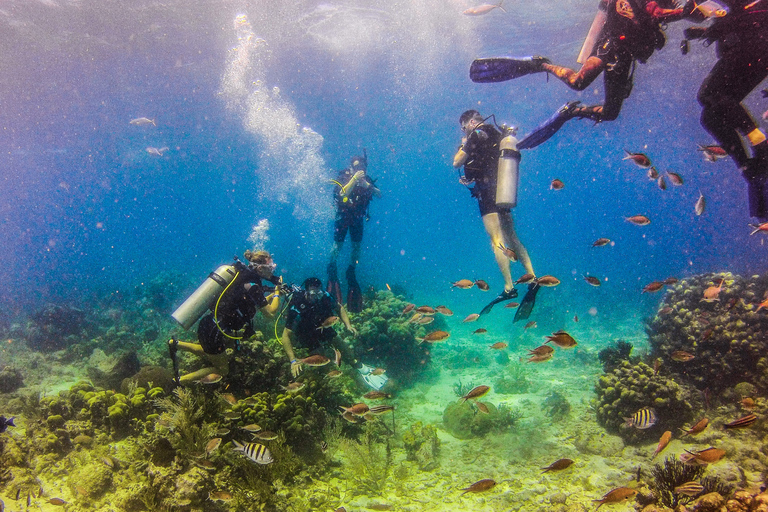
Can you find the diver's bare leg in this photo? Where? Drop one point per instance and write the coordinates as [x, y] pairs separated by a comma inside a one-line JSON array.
[[513, 241], [493, 227], [577, 80]]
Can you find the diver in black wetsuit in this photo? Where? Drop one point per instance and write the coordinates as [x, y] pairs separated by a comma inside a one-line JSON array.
[[631, 32], [352, 196], [479, 154], [742, 50]]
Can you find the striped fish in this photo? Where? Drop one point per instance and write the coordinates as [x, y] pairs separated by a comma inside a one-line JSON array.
[[381, 409], [258, 453], [691, 489], [742, 422], [642, 419]]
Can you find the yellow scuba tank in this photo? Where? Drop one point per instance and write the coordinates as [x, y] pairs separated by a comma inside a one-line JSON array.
[[508, 173], [594, 33], [204, 297]]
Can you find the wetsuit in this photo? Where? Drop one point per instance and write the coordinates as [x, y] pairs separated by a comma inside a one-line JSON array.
[[481, 166], [236, 309], [304, 317], [351, 213]]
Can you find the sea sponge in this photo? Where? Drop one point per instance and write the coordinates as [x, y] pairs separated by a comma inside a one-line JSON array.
[[422, 445], [94, 478], [463, 420]]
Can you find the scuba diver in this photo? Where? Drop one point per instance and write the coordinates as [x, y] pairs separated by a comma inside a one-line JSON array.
[[490, 159], [740, 28], [624, 32], [233, 294], [353, 195], [308, 309]]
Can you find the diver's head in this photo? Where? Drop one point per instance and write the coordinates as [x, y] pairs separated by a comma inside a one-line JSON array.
[[469, 120], [261, 262], [358, 163], [313, 289]]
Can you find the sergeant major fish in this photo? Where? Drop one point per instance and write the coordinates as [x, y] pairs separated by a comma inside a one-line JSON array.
[[258, 453]]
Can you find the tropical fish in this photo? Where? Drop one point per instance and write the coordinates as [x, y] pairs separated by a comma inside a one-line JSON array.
[[426, 310], [661, 183], [642, 419], [220, 496], [470, 318], [323, 446], [638, 220], [334, 373], [315, 360], [666, 310], [639, 159], [708, 456], [675, 178], [542, 350], [562, 339], [670, 281], [328, 322], [547, 281], [615, 496], [480, 486], [760, 306], [211, 378], [499, 345], [381, 409], [480, 331], [350, 417], [656, 365], [713, 153], [476, 392], [712, 293], [376, 395], [5, 423], [594, 281], [482, 285], [258, 453], [666, 437], [229, 398], [357, 409], [294, 387], [689, 489], [482, 407], [759, 227], [444, 311], [232, 415], [742, 422], [681, 356], [222, 431], [653, 286], [748, 403], [653, 174], [435, 336], [525, 279], [463, 284], [601, 242], [575, 318], [509, 253], [57, 502], [700, 205], [556, 185], [530, 325], [252, 427], [378, 371], [540, 359], [558, 465], [408, 309], [338, 356], [697, 428], [265, 435], [142, 121], [483, 9], [212, 445], [424, 320]]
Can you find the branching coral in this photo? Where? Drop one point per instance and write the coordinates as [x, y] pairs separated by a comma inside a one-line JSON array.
[[184, 415], [614, 355], [369, 462], [673, 474]]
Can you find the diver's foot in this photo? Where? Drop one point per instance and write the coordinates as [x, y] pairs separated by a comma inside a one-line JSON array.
[[507, 295], [537, 63], [569, 110]]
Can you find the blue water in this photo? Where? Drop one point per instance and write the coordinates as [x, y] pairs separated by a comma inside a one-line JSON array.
[[87, 211]]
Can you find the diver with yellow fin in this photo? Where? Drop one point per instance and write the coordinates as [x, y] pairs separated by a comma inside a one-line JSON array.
[[624, 32], [352, 195], [491, 159]]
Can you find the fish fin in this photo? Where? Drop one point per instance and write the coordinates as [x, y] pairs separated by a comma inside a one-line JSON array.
[[526, 305], [501, 69]]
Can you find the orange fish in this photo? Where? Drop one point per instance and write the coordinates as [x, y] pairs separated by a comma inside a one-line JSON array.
[[712, 294], [713, 153], [556, 185], [482, 407], [540, 359], [748, 403], [337, 353], [616, 496], [762, 305], [525, 278], [499, 345], [463, 284], [480, 331], [639, 159], [408, 309], [558, 465], [697, 428], [547, 280], [435, 336], [653, 286], [666, 437], [670, 281], [562, 339], [358, 409], [424, 320], [444, 311], [480, 486], [426, 310], [378, 371], [601, 242], [515, 304], [482, 285], [638, 220], [328, 322], [675, 178], [315, 360], [743, 422], [656, 365], [708, 456], [509, 253], [471, 318], [759, 227], [476, 392], [542, 350], [681, 356]]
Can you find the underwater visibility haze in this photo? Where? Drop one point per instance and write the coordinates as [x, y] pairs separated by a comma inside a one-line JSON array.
[[145, 144]]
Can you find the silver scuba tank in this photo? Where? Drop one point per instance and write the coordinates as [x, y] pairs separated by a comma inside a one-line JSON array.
[[508, 174], [204, 297]]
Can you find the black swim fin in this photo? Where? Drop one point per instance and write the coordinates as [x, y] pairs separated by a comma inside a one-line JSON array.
[[526, 305], [354, 294], [334, 286], [501, 69], [505, 295], [757, 188], [548, 128]]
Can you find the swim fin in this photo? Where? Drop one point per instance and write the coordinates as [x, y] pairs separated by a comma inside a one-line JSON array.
[[505, 295], [501, 69], [757, 188], [526, 305], [334, 286], [354, 294], [548, 128]]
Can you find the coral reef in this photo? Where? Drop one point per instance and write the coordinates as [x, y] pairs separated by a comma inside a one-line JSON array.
[[556, 406], [726, 335], [422, 445], [672, 474], [629, 388], [463, 419], [54, 327], [613, 355], [11, 379], [513, 381], [369, 463]]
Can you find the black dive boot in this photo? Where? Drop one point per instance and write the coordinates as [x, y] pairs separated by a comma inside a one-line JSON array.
[[354, 294], [501, 69], [756, 174], [334, 286]]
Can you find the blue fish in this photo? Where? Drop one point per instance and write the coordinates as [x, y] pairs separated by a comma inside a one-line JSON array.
[[5, 423]]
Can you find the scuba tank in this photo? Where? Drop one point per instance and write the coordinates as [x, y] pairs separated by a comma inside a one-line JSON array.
[[594, 33], [204, 297], [508, 174]]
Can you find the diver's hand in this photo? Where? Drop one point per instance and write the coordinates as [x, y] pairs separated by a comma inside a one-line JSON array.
[[296, 368], [358, 175]]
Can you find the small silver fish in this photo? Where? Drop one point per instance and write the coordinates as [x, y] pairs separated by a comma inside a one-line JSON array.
[[483, 9], [701, 203], [157, 151], [253, 427], [258, 453], [142, 121], [265, 435]]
